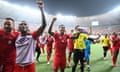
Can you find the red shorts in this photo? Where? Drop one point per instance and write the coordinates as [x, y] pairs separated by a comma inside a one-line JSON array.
[[59, 62], [27, 68], [42, 45], [115, 48], [9, 67], [119, 44], [70, 48], [49, 50], [109, 46]]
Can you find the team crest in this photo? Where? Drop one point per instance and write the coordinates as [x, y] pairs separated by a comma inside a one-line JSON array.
[[9, 42]]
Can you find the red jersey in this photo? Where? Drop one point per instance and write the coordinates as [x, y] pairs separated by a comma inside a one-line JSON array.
[[115, 44], [60, 44], [49, 41], [38, 43], [70, 43], [7, 46]]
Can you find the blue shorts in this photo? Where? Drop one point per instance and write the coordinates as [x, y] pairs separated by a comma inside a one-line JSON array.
[[87, 54]]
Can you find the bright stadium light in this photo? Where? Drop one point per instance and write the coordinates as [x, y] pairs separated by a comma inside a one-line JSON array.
[[117, 8], [95, 23], [59, 15], [29, 10], [22, 8], [5, 2], [21, 11]]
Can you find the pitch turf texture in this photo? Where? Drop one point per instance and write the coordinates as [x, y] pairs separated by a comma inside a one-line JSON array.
[[97, 63]]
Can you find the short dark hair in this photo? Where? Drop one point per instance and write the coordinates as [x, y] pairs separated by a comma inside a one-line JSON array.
[[72, 30], [61, 25], [23, 22], [9, 18], [77, 26], [114, 33]]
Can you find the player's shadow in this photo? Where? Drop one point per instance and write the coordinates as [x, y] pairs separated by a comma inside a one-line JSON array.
[[96, 61], [41, 62], [109, 69]]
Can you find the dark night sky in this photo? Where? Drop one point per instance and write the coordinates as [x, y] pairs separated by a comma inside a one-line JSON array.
[[73, 7]]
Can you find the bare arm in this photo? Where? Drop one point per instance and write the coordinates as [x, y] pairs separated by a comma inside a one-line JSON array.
[[42, 27], [115, 40], [50, 28], [75, 36], [95, 38]]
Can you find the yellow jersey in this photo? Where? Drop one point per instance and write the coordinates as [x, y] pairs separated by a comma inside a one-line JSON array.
[[105, 41], [79, 43]]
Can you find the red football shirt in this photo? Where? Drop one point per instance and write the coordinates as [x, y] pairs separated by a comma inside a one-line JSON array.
[[115, 44], [7, 46], [70, 43], [49, 41], [60, 44]]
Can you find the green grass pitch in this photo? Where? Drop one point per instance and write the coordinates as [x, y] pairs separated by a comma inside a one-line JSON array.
[[97, 63]]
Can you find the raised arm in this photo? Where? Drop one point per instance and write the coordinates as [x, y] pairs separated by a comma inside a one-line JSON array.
[[51, 25], [96, 38], [42, 27], [75, 36]]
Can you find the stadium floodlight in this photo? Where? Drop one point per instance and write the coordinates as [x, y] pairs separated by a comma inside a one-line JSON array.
[[59, 15], [5, 2], [29, 10], [117, 8]]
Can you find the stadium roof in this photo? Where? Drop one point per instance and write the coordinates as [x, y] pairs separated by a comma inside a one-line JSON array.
[[73, 7], [106, 13]]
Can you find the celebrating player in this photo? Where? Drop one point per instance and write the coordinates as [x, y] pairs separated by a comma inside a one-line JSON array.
[[7, 46], [115, 47], [49, 43], [38, 50], [26, 44], [60, 47], [70, 47], [105, 43], [79, 46]]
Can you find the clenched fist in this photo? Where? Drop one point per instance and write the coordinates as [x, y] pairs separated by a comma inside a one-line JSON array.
[[54, 19], [40, 4]]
